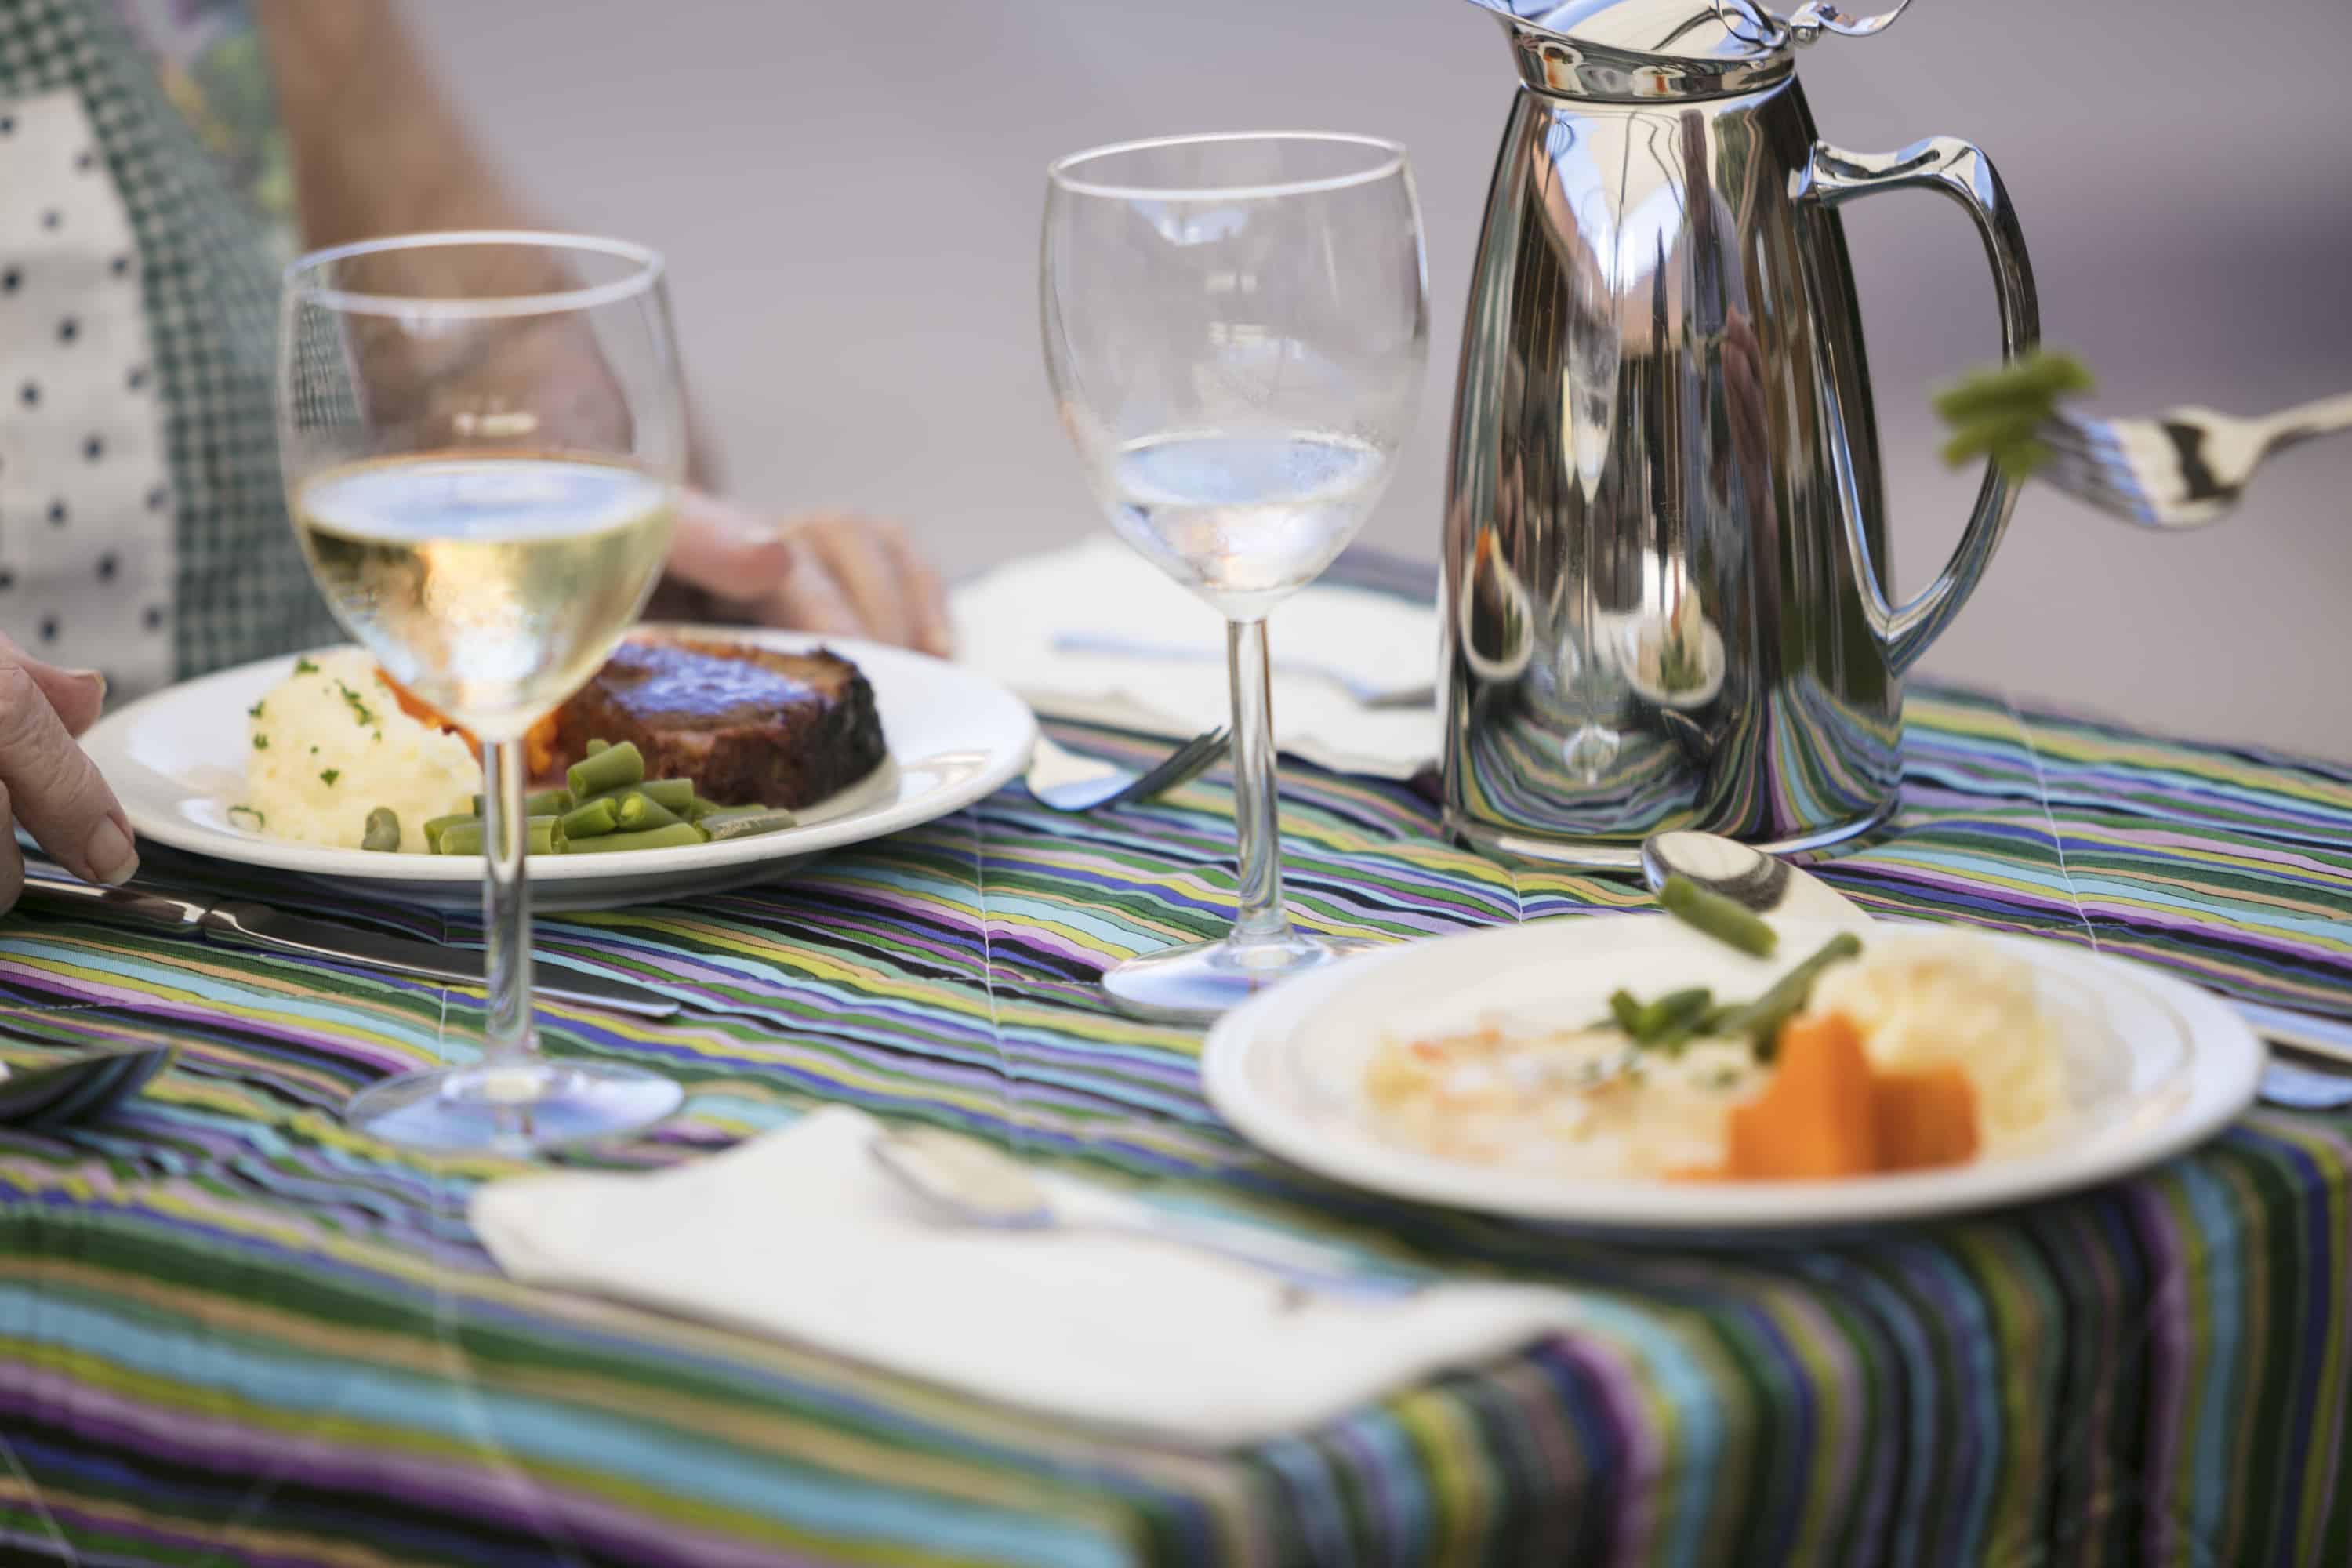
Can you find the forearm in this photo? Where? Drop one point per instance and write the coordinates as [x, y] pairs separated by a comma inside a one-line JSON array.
[[378, 148]]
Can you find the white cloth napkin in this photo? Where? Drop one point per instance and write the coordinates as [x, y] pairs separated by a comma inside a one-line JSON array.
[[800, 1234], [1006, 621]]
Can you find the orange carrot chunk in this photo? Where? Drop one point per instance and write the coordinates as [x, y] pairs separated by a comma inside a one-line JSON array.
[[1925, 1118], [1817, 1119]]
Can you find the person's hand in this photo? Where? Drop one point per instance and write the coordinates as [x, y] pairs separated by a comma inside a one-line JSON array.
[[46, 782], [856, 576]]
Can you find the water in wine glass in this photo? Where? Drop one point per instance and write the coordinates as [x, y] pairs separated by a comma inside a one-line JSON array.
[[1244, 520], [493, 587]]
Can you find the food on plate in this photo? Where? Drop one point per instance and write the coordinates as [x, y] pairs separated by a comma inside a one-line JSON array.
[[749, 726], [709, 743], [330, 744], [1920, 1051]]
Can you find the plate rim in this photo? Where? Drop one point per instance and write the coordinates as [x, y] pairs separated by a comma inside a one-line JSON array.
[[111, 734], [2220, 1091]]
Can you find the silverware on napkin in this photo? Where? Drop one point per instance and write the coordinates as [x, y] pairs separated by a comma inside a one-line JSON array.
[[248, 924], [1365, 692], [1759, 882]]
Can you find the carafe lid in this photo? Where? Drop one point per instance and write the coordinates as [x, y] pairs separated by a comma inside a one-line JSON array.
[[1645, 49]]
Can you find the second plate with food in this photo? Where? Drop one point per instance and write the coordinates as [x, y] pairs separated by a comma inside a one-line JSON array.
[[179, 761], [1502, 1033]]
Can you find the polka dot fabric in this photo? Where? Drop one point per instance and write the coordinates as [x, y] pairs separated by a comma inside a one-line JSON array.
[[137, 345]]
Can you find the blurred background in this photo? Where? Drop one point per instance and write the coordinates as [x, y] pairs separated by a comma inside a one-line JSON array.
[[849, 195]]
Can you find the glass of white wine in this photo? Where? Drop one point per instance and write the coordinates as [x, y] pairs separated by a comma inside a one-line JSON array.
[[1237, 327], [483, 437]]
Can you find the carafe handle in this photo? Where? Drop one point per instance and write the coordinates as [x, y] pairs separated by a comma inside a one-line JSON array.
[[1960, 170]]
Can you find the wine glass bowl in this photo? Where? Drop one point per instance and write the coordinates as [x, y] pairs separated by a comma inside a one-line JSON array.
[[483, 439], [1237, 327]]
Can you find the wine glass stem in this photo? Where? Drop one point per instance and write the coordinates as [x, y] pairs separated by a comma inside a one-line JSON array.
[[1261, 917], [506, 906]]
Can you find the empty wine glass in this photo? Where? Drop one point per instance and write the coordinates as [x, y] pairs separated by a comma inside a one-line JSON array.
[[483, 437], [1236, 327]]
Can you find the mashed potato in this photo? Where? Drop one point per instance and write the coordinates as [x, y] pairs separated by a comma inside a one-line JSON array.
[[328, 744], [1956, 1000]]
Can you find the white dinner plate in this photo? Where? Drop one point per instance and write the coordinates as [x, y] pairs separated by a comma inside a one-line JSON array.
[[2154, 1067], [176, 761]]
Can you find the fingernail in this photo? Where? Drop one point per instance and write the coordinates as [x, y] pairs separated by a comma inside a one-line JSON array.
[[109, 853], [96, 677]]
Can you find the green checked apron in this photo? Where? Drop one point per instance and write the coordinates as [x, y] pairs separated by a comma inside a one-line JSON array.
[[143, 195]]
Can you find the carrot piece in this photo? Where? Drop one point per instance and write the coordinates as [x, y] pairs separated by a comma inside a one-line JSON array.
[[1925, 1118], [539, 749], [1816, 1119], [424, 713]]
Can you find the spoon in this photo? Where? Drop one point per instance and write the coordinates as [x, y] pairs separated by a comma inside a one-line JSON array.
[[976, 1184], [80, 1089], [1767, 885]]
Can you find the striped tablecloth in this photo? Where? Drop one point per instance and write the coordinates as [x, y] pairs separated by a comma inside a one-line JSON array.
[[230, 1330]]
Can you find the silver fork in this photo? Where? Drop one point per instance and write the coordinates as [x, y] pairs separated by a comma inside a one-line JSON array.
[[1067, 781], [2183, 469]]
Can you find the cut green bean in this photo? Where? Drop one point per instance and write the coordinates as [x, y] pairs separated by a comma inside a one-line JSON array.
[[638, 812], [439, 824], [698, 809], [1717, 915], [1761, 1019], [465, 837], [674, 794], [609, 769], [593, 820], [596, 746], [747, 822], [383, 832], [1675, 1010], [1627, 1010], [538, 803], [678, 834], [2034, 380]]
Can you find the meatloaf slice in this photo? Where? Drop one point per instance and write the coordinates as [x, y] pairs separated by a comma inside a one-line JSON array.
[[749, 726]]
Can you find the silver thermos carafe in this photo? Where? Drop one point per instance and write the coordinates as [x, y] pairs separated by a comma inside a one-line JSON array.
[[1667, 600]]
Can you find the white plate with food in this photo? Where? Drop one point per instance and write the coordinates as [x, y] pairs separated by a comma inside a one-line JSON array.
[[790, 744], [1936, 1072]]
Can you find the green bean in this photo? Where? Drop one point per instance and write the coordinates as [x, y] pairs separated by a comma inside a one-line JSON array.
[[383, 832], [1761, 1019], [1673, 1010], [678, 834], [538, 803], [590, 821], [637, 813], [698, 809], [596, 746], [747, 822], [440, 825], [608, 769], [1627, 1011], [2034, 380], [465, 837], [676, 795], [1717, 915]]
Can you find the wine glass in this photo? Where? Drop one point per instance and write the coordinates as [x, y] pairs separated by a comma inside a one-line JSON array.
[[483, 437], [1236, 327]]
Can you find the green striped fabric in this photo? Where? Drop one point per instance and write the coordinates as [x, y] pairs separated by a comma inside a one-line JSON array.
[[232, 1331]]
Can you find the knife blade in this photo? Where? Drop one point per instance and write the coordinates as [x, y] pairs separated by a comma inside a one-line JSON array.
[[246, 925]]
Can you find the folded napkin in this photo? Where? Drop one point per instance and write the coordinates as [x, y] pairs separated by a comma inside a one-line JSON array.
[[800, 1234], [1006, 622]]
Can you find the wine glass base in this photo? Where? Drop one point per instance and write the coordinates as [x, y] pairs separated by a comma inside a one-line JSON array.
[[1197, 983], [514, 1109]]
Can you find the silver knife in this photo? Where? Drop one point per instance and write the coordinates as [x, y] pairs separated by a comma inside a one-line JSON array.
[[258, 925]]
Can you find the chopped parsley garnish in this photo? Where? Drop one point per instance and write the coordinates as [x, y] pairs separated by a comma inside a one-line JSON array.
[[261, 742], [258, 820], [304, 666], [330, 775], [359, 710], [254, 712]]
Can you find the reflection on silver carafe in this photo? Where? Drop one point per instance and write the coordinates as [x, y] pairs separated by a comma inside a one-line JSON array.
[[1667, 594]]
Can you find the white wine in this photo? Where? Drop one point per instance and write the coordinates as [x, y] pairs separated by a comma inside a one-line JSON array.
[[1244, 520], [492, 586]]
